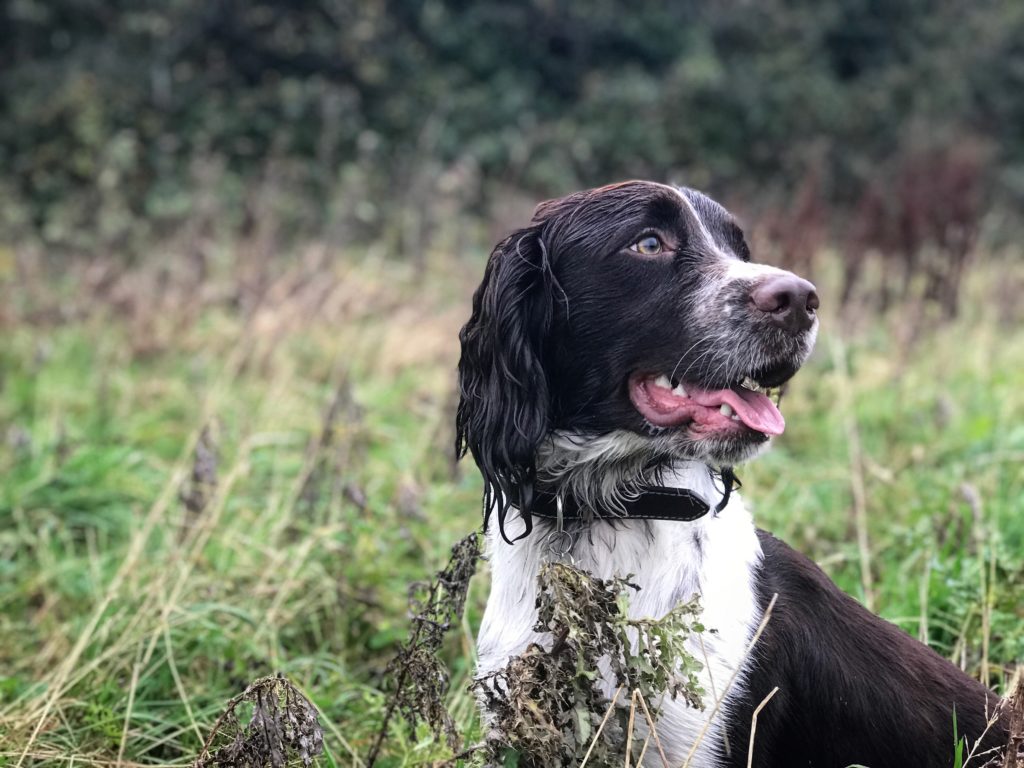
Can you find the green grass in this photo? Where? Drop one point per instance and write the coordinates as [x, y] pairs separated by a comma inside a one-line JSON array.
[[127, 619]]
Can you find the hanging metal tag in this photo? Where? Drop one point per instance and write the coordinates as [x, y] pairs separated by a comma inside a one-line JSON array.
[[560, 541]]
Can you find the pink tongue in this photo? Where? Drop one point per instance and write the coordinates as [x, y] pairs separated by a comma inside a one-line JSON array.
[[754, 409]]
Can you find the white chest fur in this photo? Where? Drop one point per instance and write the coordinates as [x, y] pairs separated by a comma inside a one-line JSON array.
[[714, 557]]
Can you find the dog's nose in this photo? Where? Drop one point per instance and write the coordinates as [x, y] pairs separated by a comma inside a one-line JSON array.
[[788, 301]]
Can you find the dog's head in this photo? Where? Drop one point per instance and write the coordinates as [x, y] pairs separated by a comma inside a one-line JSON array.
[[630, 316]]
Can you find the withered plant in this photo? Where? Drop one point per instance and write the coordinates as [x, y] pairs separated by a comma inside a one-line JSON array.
[[421, 677], [269, 724], [202, 483], [921, 221], [547, 703]]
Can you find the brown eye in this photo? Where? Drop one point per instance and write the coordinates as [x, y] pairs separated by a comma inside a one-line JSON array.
[[648, 246]]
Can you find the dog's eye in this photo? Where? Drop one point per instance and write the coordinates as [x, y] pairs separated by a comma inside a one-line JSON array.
[[647, 246]]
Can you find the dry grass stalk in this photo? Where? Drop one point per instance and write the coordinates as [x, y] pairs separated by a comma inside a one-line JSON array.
[[604, 721], [753, 724], [654, 731], [732, 678], [986, 572], [1014, 757], [630, 729]]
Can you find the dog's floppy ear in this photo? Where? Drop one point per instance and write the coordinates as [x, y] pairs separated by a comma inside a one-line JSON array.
[[504, 406]]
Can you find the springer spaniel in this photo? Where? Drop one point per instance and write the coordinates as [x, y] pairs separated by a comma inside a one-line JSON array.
[[613, 371]]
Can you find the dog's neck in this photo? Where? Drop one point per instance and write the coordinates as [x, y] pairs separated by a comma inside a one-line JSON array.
[[715, 556], [695, 476], [602, 471]]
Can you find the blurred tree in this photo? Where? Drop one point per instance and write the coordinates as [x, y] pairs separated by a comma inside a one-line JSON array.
[[123, 119]]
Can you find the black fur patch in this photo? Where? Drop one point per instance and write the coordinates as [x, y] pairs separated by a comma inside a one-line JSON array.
[[853, 688]]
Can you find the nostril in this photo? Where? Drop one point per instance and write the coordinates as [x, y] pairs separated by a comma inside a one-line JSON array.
[[770, 297], [812, 301], [778, 294]]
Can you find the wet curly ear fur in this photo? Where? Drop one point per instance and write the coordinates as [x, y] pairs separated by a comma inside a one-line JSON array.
[[504, 406]]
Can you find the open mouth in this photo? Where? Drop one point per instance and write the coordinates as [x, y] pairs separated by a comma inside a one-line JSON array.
[[746, 406]]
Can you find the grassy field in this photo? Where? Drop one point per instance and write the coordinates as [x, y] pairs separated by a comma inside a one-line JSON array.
[[211, 472]]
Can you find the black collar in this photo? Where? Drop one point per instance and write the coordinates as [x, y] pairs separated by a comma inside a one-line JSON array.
[[652, 503]]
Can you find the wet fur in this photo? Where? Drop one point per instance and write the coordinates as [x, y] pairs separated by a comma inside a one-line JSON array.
[[565, 313]]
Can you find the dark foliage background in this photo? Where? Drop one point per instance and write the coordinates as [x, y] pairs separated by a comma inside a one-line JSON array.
[[122, 119]]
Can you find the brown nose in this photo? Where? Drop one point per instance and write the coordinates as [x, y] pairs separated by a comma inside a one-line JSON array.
[[788, 301]]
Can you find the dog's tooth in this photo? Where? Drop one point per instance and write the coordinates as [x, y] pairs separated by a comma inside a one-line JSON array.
[[735, 417], [726, 409], [679, 391], [749, 383], [662, 381]]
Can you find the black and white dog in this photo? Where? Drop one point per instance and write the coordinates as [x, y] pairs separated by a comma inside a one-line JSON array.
[[612, 373]]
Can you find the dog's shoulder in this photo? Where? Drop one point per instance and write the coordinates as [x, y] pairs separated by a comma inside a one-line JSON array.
[[881, 696]]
